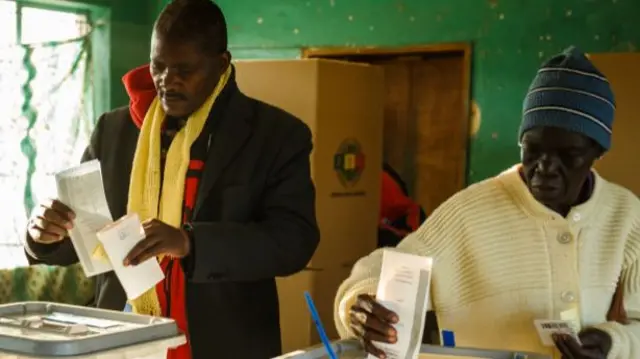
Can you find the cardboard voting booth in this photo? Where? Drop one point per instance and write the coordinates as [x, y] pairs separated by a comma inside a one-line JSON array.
[[342, 103]]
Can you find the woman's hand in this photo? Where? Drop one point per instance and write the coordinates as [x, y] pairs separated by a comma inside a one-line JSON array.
[[373, 322], [595, 344]]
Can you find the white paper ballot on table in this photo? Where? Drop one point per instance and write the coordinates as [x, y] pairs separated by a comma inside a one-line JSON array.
[[81, 189], [404, 288], [118, 239]]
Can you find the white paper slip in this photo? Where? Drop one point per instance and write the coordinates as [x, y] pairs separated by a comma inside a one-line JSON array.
[[404, 288], [76, 319], [546, 328], [118, 239], [81, 189]]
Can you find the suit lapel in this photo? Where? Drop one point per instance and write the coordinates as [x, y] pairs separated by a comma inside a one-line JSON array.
[[230, 136]]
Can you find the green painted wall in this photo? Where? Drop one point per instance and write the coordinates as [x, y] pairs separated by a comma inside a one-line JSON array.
[[510, 40], [130, 35], [130, 38]]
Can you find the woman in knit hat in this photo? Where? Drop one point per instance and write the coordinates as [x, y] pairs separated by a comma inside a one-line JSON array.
[[545, 238]]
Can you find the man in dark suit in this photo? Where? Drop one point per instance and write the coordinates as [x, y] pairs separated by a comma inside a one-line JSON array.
[[249, 202]]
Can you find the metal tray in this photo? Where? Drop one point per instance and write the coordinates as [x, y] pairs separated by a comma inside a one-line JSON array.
[[348, 349], [57, 330]]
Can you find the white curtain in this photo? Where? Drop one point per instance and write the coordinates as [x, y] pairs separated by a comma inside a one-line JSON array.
[[45, 118]]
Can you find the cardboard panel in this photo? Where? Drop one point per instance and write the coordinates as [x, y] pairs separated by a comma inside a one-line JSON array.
[[348, 160], [343, 105], [621, 163]]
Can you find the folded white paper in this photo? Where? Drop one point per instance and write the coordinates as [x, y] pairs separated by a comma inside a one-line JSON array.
[[404, 288], [118, 239], [82, 190]]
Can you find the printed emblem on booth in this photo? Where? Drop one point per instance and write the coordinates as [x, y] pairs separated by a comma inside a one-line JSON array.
[[349, 162]]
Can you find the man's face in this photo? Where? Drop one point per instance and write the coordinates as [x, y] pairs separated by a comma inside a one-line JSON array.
[[556, 163], [183, 75]]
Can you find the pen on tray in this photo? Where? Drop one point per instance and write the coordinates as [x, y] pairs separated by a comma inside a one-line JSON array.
[[319, 327]]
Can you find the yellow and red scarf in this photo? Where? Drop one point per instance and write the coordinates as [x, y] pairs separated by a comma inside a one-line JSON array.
[[145, 197]]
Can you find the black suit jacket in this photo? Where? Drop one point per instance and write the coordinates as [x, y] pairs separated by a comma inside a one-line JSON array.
[[254, 220]]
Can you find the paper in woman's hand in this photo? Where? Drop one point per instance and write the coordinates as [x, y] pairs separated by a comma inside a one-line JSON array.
[[404, 289]]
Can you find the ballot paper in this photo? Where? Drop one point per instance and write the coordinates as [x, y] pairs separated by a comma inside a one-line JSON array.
[[547, 328], [118, 239], [569, 323], [404, 288], [81, 189]]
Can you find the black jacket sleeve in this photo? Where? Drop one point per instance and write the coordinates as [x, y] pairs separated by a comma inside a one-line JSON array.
[[62, 253], [282, 242]]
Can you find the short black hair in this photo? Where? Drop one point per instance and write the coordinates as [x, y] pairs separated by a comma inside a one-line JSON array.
[[201, 21]]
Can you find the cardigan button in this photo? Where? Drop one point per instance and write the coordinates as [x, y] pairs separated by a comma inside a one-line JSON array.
[[568, 296], [565, 238], [577, 217]]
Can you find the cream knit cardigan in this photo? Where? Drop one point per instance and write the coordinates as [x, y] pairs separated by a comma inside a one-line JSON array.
[[501, 260]]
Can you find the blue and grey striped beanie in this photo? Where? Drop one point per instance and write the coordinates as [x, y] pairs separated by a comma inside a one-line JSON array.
[[570, 93]]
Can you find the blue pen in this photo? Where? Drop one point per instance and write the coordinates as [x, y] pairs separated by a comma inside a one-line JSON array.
[[319, 327]]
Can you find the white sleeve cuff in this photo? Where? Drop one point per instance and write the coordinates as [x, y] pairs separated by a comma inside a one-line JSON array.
[[624, 344]]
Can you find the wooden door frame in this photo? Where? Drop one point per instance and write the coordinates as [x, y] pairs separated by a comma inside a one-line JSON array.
[[430, 49], [338, 51]]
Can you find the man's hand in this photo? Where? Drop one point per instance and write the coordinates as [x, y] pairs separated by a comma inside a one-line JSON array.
[[596, 344], [50, 222], [161, 239]]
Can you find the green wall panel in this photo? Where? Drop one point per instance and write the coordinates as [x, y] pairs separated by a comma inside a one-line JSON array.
[[510, 39], [130, 36]]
